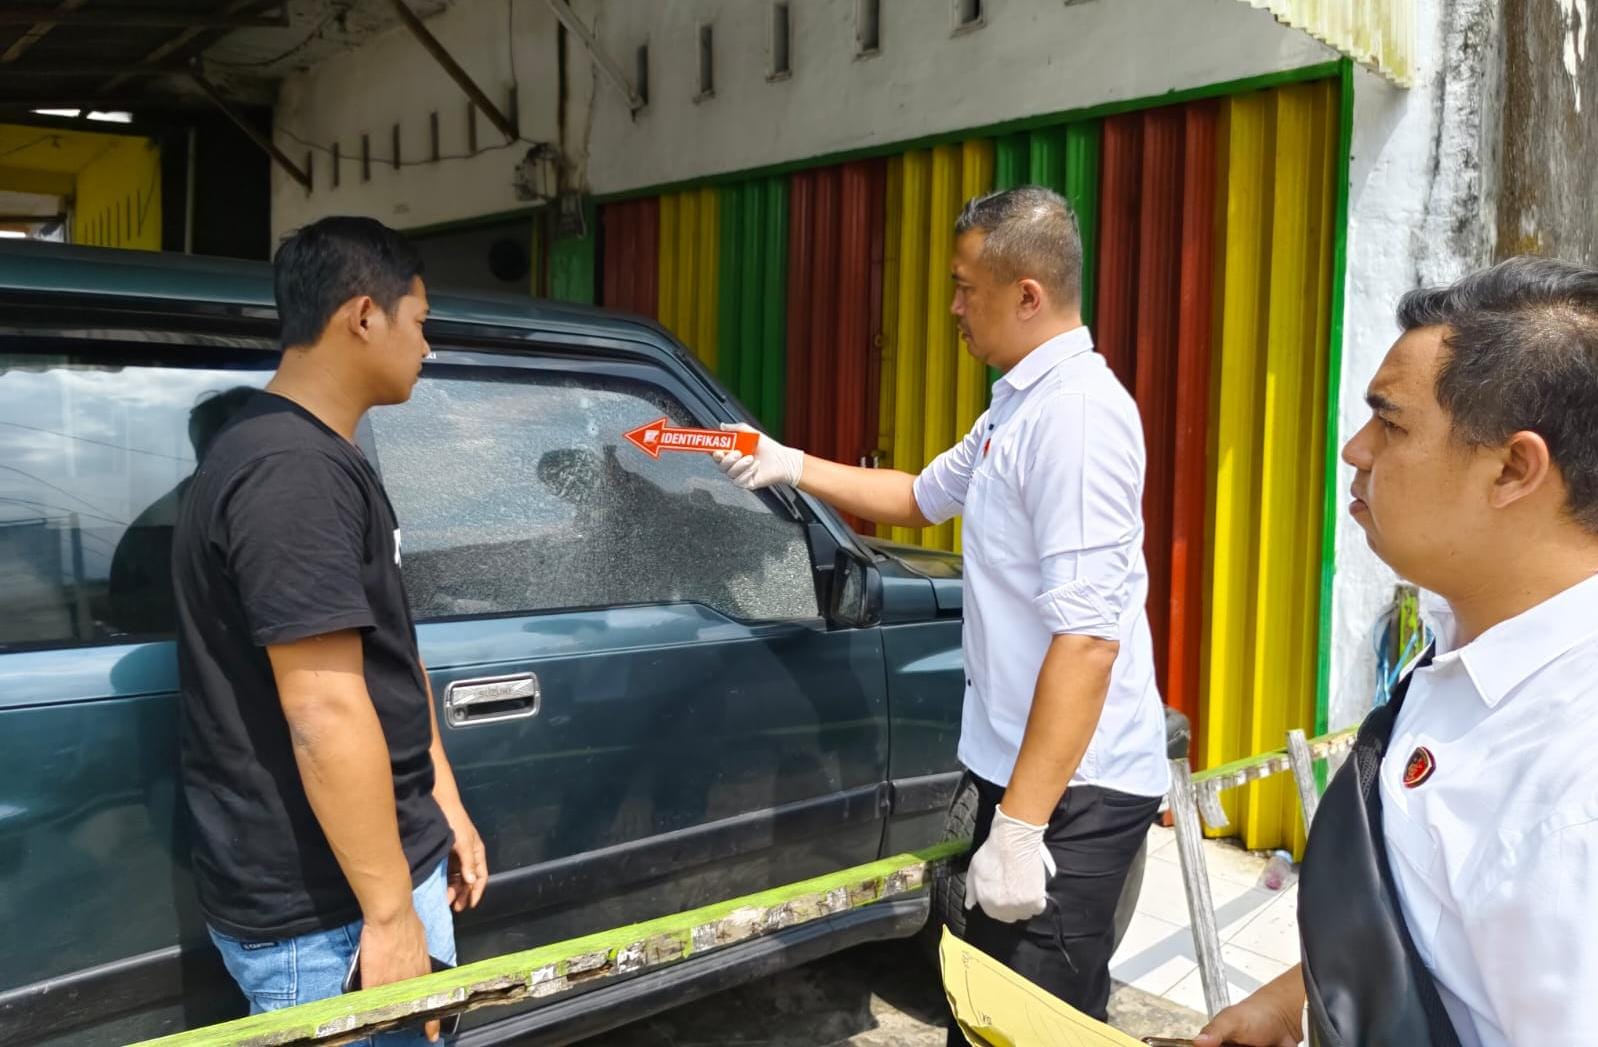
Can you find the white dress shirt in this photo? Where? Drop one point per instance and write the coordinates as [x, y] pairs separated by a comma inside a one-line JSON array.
[[1050, 482], [1495, 854]]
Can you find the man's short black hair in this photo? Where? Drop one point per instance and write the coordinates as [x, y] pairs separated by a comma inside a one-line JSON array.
[[1030, 233], [1522, 342], [323, 265]]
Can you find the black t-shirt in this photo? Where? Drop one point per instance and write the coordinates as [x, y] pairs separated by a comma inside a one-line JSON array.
[[286, 533]]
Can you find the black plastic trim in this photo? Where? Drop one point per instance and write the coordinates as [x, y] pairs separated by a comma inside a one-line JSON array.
[[927, 792]]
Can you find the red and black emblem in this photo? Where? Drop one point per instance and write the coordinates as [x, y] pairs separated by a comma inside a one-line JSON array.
[[1419, 768]]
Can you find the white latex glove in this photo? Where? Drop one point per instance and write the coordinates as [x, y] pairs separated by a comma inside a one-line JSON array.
[[1010, 871], [772, 463]]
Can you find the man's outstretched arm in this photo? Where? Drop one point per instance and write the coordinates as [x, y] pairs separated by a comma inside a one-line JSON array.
[[885, 496]]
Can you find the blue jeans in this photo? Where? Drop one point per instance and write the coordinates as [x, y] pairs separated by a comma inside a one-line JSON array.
[[281, 973]]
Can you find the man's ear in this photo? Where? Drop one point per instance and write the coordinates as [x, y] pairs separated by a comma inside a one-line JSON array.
[[358, 314], [1031, 302], [1524, 467]]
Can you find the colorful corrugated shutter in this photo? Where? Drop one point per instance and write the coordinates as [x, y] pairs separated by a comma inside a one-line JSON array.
[[630, 246], [938, 388], [1191, 466], [904, 309], [812, 282], [860, 202], [1065, 159], [821, 383], [833, 281], [890, 306], [1081, 187], [571, 262], [830, 325], [690, 250], [1276, 162], [1157, 351], [971, 375], [1155, 313], [1115, 311], [753, 296], [942, 347]]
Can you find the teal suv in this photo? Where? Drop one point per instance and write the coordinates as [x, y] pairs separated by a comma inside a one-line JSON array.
[[658, 691]]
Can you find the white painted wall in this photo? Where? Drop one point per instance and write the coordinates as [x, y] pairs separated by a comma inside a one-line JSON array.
[[1030, 57], [391, 79], [1419, 213]]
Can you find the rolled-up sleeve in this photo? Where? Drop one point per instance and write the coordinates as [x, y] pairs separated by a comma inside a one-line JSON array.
[[1081, 484], [940, 489]]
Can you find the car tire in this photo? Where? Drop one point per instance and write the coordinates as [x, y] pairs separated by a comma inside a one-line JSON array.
[[948, 879]]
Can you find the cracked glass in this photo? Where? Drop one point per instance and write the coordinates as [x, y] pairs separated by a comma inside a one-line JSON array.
[[518, 491]]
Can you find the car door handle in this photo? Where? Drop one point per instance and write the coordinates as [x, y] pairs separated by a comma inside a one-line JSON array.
[[492, 699]]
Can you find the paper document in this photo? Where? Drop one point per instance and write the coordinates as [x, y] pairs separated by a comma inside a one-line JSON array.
[[998, 1008]]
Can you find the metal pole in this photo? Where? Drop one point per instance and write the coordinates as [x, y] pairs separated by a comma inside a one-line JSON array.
[[102, 17], [430, 43], [1303, 774], [1196, 882], [188, 198], [42, 22], [120, 70], [612, 71], [251, 131], [13, 101], [181, 40]]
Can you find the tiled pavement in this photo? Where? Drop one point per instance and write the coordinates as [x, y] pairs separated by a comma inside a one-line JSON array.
[[1259, 934]]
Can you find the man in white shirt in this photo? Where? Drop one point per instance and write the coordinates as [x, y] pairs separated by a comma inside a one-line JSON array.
[[1477, 479], [1059, 661]]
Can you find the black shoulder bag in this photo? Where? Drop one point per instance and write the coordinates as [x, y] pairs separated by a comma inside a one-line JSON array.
[[1367, 984]]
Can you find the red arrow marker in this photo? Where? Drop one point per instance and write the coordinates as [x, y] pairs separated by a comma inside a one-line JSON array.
[[659, 436]]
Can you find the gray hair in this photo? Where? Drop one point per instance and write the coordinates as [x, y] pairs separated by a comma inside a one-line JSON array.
[[1522, 340], [1031, 234]]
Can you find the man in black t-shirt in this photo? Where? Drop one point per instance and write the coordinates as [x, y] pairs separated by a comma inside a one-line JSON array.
[[326, 815]]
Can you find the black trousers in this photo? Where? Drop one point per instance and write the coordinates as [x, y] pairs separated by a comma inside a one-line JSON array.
[[1093, 836]]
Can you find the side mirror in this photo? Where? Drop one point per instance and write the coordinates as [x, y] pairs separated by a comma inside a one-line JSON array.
[[856, 598]]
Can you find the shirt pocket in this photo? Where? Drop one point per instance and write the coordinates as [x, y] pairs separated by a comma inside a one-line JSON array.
[[995, 530]]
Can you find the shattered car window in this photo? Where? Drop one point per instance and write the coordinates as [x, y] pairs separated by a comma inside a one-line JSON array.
[[518, 491]]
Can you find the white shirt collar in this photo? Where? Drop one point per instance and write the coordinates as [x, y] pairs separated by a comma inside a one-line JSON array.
[[1503, 657], [1046, 357]]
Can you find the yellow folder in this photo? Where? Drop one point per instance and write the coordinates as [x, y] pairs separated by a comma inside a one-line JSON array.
[[998, 1008]]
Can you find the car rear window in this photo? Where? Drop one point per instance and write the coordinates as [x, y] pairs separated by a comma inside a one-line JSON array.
[[94, 455]]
